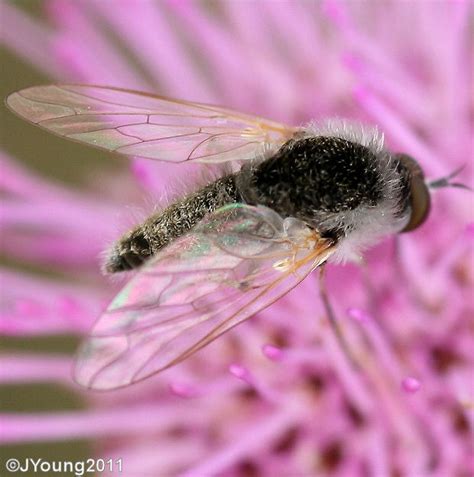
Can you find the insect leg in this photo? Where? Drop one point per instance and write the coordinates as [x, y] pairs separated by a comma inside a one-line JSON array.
[[333, 320]]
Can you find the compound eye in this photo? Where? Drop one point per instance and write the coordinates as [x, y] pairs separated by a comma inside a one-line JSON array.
[[420, 204], [420, 200]]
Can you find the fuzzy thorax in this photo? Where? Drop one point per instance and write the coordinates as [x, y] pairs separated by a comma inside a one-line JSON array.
[[339, 179]]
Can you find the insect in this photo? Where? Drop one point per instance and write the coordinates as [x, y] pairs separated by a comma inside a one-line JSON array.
[[290, 199]]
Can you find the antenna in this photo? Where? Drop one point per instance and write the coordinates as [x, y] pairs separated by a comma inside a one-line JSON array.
[[445, 181]]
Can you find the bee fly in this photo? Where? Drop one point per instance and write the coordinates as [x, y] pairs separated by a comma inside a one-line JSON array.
[[339, 181], [291, 199]]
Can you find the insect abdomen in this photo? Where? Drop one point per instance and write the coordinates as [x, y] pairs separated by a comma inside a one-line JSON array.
[[160, 229]]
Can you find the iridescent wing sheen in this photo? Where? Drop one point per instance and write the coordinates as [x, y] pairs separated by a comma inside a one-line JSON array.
[[142, 125], [236, 262]]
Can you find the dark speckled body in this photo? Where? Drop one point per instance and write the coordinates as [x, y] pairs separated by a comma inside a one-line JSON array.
[[313, 178], [319, 179], [160, 229]]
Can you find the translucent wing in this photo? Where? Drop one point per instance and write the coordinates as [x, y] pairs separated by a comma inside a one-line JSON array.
[[235, 262], [142, 125]]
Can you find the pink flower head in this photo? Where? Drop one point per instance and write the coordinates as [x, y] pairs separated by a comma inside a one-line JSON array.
[[276, 396]]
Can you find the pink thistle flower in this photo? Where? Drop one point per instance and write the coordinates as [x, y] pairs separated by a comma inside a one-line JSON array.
[[276, 396]]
